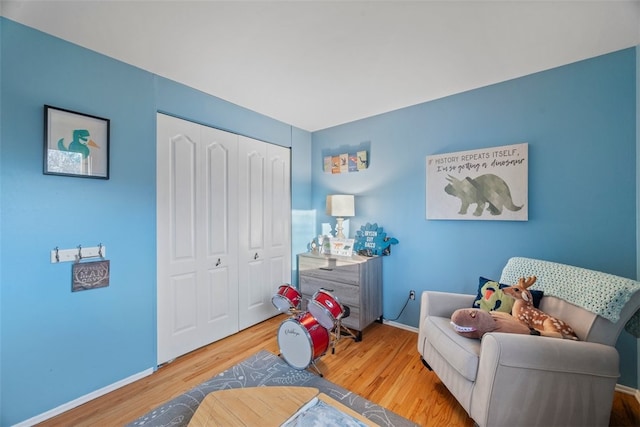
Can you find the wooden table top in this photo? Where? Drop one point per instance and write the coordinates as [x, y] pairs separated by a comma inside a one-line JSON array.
[[259, 406]]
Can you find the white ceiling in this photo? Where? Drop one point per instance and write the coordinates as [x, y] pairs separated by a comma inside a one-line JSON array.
[[316, 64]]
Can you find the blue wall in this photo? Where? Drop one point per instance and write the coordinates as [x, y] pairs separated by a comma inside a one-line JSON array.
[[57, 345], [580, 123]]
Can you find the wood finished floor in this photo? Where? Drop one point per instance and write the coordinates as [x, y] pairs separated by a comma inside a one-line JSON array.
[[384, 367]]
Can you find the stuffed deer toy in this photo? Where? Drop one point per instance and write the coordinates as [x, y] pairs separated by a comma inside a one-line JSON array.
[[525, 312]]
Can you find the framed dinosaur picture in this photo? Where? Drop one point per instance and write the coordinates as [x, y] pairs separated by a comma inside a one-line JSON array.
[[485, 184], [75, 144]]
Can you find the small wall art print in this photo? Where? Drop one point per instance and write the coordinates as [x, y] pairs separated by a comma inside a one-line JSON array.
[[75, 144], [346, 162], [484, 184]]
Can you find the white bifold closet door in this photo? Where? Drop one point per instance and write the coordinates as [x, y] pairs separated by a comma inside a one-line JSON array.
[[220, 199], [264, 195]]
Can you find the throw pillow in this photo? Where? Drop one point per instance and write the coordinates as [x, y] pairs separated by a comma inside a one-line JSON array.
[[490, 296]]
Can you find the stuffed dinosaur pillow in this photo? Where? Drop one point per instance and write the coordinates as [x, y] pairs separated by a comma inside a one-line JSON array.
[[474, 323]]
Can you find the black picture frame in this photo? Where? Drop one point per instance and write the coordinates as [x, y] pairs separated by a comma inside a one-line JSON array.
[[75, 144]]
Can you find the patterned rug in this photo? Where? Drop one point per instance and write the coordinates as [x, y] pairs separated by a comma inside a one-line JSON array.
[[262, 370]]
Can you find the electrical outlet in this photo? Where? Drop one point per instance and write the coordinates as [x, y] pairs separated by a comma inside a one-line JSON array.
[[412, 294]]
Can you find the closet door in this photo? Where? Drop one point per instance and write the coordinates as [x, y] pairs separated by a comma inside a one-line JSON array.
[[197, 245], [264, 227], [278, 216]]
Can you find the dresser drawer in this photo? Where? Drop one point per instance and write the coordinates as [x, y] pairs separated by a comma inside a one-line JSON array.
[[333, 271], [344, 293], [353, 321]]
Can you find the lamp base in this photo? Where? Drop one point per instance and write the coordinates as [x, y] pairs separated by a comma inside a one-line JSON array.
[[339, 233]]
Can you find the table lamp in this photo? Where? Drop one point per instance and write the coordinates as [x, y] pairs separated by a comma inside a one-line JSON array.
[[340, 206]]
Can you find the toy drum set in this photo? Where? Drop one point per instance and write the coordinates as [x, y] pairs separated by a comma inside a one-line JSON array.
[[306, 336]]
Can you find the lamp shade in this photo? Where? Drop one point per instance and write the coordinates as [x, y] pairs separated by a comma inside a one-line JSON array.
[[340, 205]]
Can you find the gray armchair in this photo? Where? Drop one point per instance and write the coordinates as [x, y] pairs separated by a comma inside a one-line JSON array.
[[526, 380]]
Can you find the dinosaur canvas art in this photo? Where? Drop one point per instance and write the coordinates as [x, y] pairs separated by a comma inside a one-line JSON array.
[[487, 184], [485, 191]]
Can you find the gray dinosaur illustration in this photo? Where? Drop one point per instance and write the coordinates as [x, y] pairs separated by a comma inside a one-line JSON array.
[[481, 190]]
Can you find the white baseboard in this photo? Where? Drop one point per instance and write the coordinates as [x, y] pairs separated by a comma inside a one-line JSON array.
[[83, 399], [399, 325], [628, 390]]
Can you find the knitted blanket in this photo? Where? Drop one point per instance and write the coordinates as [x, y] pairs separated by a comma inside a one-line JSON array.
[[600, 293]]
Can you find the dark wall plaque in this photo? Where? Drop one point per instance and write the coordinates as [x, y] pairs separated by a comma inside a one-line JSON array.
[[90, 275]]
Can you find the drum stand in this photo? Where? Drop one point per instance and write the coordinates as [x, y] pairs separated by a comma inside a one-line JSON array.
[[293, 311], [313, 363], [339, 330]]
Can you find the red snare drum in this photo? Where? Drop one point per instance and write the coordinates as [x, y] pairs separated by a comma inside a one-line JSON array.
[[326, 308], [287, 298], [302, 340]]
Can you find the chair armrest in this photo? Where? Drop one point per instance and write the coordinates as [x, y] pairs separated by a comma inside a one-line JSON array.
[[548, 354], [439, 304], [532, 365], [443, 304]]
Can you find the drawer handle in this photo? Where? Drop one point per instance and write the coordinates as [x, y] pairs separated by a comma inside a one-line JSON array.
[[326, 269]]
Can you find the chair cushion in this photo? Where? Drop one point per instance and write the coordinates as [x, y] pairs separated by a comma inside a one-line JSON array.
[[461, 352]]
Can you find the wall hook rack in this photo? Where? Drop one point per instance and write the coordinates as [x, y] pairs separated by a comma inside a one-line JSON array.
[[77, 254]]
